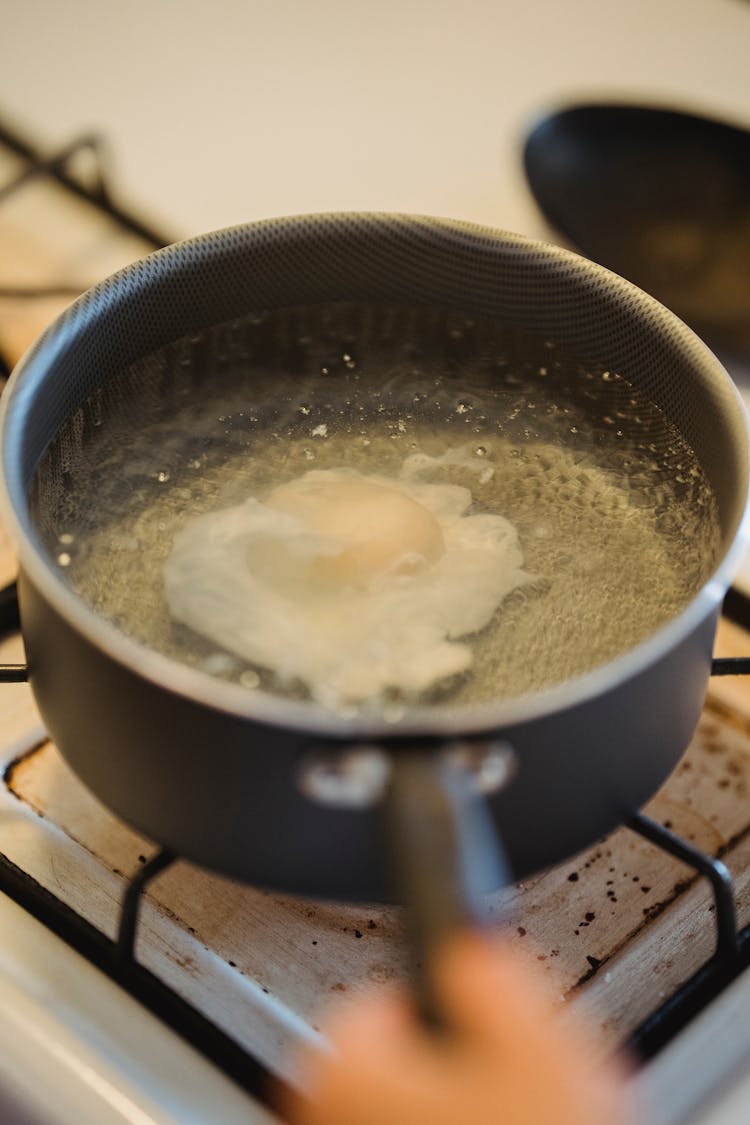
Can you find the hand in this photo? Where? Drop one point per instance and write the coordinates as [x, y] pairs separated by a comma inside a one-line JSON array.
[[507, 1058]]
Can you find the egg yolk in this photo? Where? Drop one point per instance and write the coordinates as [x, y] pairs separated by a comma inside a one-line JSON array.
[[380, 528]]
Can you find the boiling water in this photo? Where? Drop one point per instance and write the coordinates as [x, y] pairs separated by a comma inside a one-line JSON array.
[[617, 523]]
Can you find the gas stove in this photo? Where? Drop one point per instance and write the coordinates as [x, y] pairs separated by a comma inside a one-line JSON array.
[[141, 988]]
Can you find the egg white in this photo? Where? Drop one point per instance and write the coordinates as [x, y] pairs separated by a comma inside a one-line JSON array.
[[354, 608]]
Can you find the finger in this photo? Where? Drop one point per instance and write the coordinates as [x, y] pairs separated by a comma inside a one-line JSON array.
[[496, 998], [376, 1049], [364, 1027], [491, 991]]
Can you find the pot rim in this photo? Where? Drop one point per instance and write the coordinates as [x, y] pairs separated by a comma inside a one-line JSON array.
[[435, 721]]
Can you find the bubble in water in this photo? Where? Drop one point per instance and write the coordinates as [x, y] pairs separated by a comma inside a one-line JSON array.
[[218, 664], [393, 712], [67, 538], [249, 678], [162, 476], [320, 431], [480, 451], [304, 408]]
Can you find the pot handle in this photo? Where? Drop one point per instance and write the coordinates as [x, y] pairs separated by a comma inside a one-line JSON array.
[[444, 857], [9, 623]]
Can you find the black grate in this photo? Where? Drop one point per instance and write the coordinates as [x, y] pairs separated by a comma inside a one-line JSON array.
[[157, 997], [93, 187]]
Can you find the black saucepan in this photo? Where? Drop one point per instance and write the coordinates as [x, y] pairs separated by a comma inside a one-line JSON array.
[[277, 791]]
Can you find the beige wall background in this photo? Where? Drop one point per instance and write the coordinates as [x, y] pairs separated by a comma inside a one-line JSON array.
[[220, 113]]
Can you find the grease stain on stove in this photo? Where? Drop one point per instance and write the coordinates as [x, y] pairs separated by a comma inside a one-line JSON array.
[[381, 973], [595, 963], [183, 961]]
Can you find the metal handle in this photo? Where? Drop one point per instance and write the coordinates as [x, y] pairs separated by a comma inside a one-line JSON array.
[[9, 623], [14, 673], [444, 857], [9, 618]]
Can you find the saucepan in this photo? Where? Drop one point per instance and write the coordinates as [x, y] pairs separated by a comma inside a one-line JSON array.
[[660, 196], [485, 332]]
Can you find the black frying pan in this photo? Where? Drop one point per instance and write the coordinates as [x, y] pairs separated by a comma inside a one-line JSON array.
[[660, 196]]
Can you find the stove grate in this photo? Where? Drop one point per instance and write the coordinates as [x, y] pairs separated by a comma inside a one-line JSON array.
[[161, 1000], [717, 873], [60, 167], [131, 904]]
